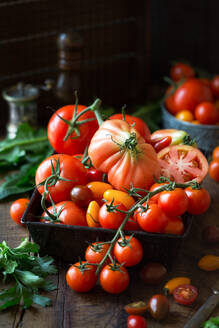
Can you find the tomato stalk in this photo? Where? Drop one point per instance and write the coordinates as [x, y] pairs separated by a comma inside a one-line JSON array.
[[171, 185]]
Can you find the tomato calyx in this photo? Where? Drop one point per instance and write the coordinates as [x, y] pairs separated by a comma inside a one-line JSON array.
[[125, 241], [129, 144], [83, 266], [114, 208], [97, 247], [115, 266]]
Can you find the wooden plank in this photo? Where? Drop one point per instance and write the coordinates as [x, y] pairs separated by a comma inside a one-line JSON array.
[[98, 309]]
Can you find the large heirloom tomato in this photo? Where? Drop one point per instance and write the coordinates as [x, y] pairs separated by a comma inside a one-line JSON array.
[[118, 150], [183, 163], [68, 168], [74, 143]]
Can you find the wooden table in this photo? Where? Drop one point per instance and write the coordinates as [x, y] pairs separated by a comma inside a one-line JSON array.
[[100, 310]]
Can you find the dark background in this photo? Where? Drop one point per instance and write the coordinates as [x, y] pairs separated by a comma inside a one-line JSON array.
[[127, 46]]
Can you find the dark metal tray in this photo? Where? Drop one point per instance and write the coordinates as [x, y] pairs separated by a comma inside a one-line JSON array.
[[68, 243]]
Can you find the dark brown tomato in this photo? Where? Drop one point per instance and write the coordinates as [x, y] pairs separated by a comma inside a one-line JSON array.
[[153, 273], [158, 306], [81, 195]]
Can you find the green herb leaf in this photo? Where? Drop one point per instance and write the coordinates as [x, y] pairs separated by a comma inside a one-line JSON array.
[[41, 300]]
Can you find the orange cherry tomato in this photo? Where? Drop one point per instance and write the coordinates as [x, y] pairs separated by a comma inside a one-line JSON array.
[[136, 307], [92, 214], [185, 115], [174, 226], [214, 169], [128, 251], [98, 188], [215, 154], [209, 263], [96, 252], [18, 208], [81, 277], [119, 197], [114, 278]]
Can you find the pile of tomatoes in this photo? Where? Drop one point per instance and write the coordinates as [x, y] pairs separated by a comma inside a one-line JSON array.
[[192, 99], [214, 165]]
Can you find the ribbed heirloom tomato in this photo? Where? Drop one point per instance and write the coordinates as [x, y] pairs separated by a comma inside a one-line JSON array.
[[118, 150]]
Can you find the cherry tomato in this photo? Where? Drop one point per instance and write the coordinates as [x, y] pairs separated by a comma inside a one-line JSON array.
[[136, 122], [111, 219], [174, 226], [136, 321], [185, 294], [136, 308], [98, 188], [81, 195], [215, 86], [181, 71], [94, 175], [152, 220], [132, 224], [191, 93], [199, 200], [92, 214], [96, 252], [154, 187], [114, 278], [81, 277], [18, 208], [128, 251], [185, 115], [158, 306], [174, 202], [214, 169], [57, 130], [153, 273], [120, 197], [183, 163], [177, 136], [68, 168], [174, 283], [161, 143], [207, 113], [69, 213], [215, 153], [169, 100]]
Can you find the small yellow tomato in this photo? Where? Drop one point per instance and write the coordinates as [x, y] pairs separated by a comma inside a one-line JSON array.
[[185, 115], [120, 197], [209, 263], [175, 282], [98, 188], [92, 214]]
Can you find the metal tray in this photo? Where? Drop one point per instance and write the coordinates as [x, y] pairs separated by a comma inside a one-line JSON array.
[[68, 243]]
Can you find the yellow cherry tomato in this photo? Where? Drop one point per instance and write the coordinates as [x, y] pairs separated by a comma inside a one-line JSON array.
[[195, 122], [175, 282], [209, 263], [120, 197], [185, 115], [98, 188], [92, 214]]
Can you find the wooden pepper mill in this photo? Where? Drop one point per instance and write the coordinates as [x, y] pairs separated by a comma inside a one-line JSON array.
[[70, 47]]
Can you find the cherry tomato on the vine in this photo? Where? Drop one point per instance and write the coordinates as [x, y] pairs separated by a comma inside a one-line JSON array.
[[120, 197], [185, 294], [153, 219], [95, 252], [111, 219], [174, 202], [136, 321], [114, 278], [154, 187], [81, 277], [181, 71], [18, 208], [128, 251], [199, 200], [132, 224]]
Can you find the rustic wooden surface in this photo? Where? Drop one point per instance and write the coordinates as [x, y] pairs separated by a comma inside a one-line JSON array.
[[100, 310]]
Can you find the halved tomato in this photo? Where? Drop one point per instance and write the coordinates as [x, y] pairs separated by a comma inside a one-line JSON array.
[[183, 163]]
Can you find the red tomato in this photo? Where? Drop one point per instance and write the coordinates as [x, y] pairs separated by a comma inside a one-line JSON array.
[[70, 213], [162, 143], [181, 71], [137, 123], [215, 86], [18, 208], [94, 175], [136, 308], [174, 226], [154, 187], [136, 321], [152, 220], [183, 163], [174, 202], [185, 294], [114, 279], [214, 169], [169, 100], [81, 277], [206, 113], [215, 153], [118, 150], [111, 219], [70, 168], [131, 224], [199, 200], [96, 252], [129, 251], [57, 130], [191, 93]]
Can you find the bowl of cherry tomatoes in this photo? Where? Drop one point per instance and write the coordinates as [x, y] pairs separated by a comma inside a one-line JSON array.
[[191, 104]]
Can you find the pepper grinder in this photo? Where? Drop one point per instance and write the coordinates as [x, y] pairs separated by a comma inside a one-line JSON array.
[[70, 47], [22, 102]]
